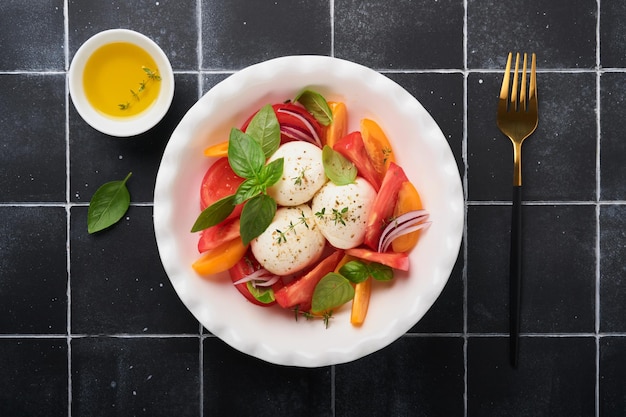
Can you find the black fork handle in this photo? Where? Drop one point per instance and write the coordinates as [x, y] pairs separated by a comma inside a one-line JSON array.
[[515, 275]]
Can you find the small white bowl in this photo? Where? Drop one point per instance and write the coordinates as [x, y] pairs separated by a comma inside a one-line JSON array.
[[121, 127]]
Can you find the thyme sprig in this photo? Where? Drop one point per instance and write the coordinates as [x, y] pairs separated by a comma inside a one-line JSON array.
[[282, 238], [298, 180], [337, 216], [152, 76], [326, 316]]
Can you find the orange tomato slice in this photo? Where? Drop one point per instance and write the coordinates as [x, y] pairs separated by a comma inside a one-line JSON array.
[[338, 128], [219, 150], [377, 145], [220, 259], [360, 302], [408, 200]]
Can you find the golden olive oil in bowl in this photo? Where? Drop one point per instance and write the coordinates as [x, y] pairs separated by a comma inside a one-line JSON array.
[[121, 82]]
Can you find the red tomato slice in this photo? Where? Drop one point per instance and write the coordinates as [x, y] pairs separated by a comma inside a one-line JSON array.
[[300, 292], [393, 260], [218, 182], [247, 265], [384, 204], [352, 147], [214, 236]]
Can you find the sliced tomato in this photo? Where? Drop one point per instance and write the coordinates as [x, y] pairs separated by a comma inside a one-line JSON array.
[[218, 150], [378, 146], [218, 182], [384, 204], [214, 236], [408, 200], [352, 147], [393, 260], [246, 266], [361, 301], [304, 123], [338, 128], [300, 292], [220, 259]]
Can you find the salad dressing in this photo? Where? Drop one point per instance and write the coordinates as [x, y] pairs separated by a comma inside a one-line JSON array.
[[117, 80]]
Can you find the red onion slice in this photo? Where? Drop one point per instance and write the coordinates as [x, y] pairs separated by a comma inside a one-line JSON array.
[[404, 224], [309, 126], [258, 275], [267, 283], [296, 134]]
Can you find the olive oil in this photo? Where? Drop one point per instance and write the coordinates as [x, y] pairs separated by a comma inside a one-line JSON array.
[[121, 80]]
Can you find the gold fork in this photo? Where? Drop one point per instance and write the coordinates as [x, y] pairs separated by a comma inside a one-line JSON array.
[[517, 119]]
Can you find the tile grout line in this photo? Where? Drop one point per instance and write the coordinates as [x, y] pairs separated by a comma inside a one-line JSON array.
[[464, 147], [66, 42], [597, 212], [332, 27]]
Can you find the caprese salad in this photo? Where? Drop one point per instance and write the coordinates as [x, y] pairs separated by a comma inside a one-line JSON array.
[[302, 213]]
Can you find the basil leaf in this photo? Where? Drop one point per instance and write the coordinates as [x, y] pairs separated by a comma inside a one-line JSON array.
[[245, 155], [214, 214], [247, 189], [338, 168], [264, 128], [316, 104], [272, 172], [380, 272], [256, 215], [108, 205], [332, 291], [355, 271], [264, 295]]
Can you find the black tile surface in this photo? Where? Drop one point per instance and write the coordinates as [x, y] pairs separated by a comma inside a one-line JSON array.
[[553, 379], [612, 389], [562, 32], [612, 35], [400, 37], [613, 146], [268, 30], [558, 291], [34, 377], [261, 389], [33, 293], [122, 289], [91, 326], [404, 380], [32, 35], [135, 376], [612, 277], [32, 161]]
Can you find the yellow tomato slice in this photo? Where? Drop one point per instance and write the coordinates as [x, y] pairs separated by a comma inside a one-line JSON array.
[[361, 301], [220, 259], [408, 200], [377, 145], [338, 128], [219, 150]]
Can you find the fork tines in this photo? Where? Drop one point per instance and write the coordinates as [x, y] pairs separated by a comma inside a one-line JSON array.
[[506, 87]]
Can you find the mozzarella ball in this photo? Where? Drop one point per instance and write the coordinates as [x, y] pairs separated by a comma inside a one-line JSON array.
[[290, 243], [303, 173], [341, 211]]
